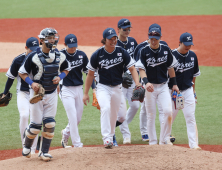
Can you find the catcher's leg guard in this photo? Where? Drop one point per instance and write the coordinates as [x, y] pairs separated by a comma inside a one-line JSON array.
[[31, 133], [29, 136], [48, 133]]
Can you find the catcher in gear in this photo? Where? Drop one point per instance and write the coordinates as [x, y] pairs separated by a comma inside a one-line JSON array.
[[46, 67], [4, 99]]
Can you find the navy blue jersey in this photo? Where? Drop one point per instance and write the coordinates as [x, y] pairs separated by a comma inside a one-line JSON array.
[[156, 63], [143, 44], [110, 66], [128, 45], [12, 72], [33, 66], [186, 69], [78, 62]]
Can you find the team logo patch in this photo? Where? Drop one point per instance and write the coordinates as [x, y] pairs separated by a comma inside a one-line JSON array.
[[119, 54], [165, 52], [192, 58], [80, 56], [132, 43], [57, 59]]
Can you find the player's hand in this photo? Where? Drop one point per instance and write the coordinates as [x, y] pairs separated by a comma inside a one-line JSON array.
[[175, 88], [35, 87], [3, 96], [56, 80], [195, 97], [138, 84], [85, 99], [149, 87]]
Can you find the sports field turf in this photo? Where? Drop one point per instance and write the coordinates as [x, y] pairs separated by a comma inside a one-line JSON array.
[[208, 111]]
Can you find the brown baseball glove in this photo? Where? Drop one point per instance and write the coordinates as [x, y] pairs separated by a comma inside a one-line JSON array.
[[95, 101], [5, 100], [38, 95]]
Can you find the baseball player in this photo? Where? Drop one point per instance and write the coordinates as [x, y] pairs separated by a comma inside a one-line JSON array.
[[109, 60], [43, 67], [186, 72], [22, 87], [71, 90], [129, 44], [155, 63], [143, 116]]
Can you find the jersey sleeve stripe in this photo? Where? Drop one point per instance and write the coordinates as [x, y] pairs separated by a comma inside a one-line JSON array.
[[197, 74]]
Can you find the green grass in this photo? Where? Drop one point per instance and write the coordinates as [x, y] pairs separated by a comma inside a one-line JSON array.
[[94, 8], [208, 117]]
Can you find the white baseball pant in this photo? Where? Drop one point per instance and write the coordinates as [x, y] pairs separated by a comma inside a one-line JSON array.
[[160, 94], [71, 97], [109, 101], [189, 115], [23, 108]]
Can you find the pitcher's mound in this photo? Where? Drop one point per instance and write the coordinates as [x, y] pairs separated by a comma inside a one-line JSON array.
[[123, 157]]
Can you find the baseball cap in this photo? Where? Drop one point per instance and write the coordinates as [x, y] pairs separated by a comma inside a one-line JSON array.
[[71, 40], [32, 43], [109, 33], [124, 23], [154, 33], [155, 26], [186, 38]]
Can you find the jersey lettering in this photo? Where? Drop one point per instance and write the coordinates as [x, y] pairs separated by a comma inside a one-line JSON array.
[[110, 63]]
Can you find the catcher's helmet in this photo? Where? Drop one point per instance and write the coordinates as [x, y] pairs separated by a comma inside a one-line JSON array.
[[49, 32]]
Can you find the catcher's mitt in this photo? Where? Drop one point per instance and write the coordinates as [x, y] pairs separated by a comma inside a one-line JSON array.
[[178, 100], [5, 101], [127, 80], [38, 95], [138, 94], [95, 101]]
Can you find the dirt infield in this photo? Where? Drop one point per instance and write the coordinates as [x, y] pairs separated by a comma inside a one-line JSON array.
[[206, 30], [126, 157]]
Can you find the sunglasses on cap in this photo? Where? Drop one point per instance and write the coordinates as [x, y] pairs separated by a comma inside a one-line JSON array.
[[125, 24], [154, 34]]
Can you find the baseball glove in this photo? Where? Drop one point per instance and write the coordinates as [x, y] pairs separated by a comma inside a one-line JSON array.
[[95, 101], [38, 95], [127, 80], [138, 94], [178, 100], [5, 101]]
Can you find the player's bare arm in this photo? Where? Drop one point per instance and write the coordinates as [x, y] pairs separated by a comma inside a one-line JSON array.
[[173, 76], [88, 82], [134, 75], [194, 79], [149, 87]]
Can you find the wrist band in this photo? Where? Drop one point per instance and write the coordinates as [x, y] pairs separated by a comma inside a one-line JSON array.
[[173, 80], [62, 75], [145, 80], [28, 80]]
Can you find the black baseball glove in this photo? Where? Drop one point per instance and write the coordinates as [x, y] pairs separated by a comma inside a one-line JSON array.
[[138, 94], [127, 80], [5, 101]]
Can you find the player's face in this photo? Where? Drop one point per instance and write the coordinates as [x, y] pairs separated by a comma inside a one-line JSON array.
[[154, 43], [185, 48], [124, 32], [111, 43], [51, 39], [70, 50]]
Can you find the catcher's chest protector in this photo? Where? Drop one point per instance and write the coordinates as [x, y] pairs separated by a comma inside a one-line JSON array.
[[50, 70]]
